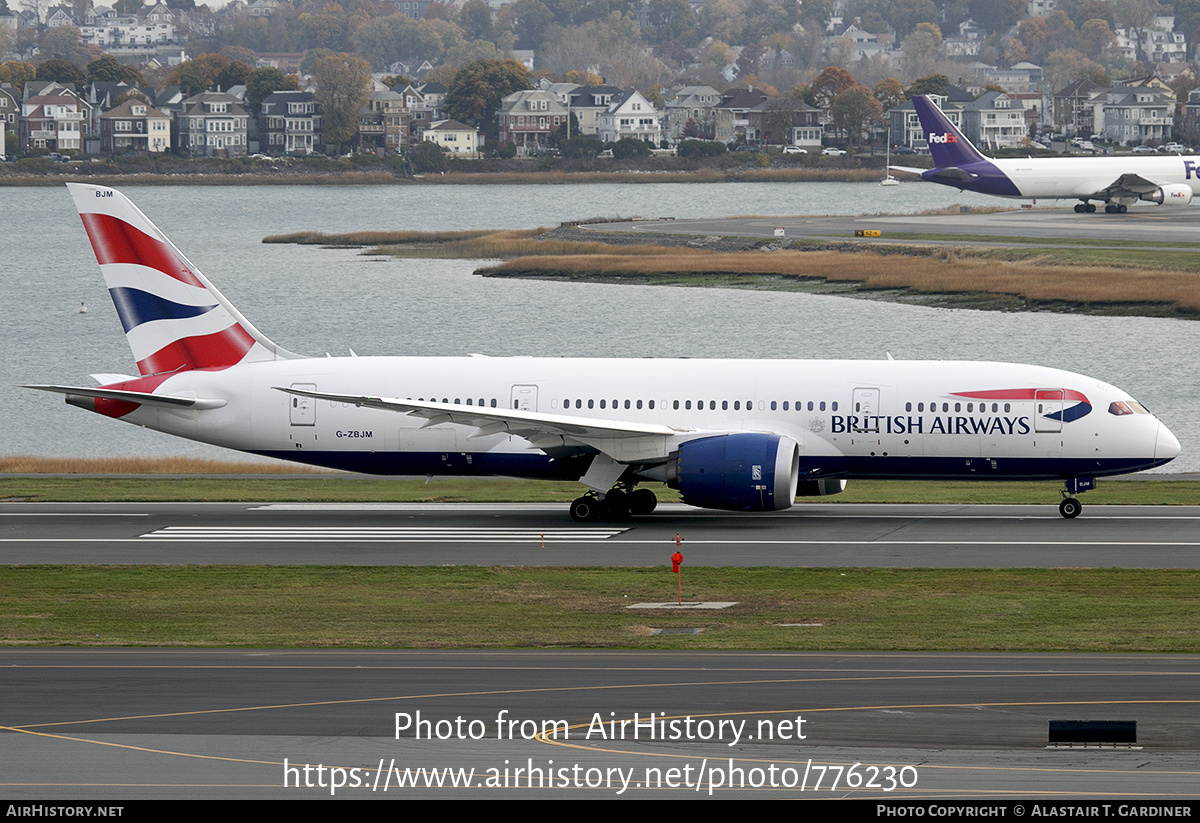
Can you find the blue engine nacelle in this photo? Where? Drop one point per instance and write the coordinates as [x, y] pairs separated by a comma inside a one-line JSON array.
[[741, 472]]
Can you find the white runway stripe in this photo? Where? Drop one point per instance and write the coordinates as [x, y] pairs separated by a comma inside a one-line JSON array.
[[398, 534]]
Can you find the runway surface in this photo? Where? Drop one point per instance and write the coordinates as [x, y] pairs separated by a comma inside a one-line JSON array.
[[1141, 225], [119, 724], [809, 534]]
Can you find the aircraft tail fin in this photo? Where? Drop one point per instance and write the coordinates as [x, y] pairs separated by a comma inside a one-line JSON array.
[[174, 318], [947, 144]]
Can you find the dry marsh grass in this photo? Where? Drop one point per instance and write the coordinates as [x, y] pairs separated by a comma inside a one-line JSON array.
[[460, 244], [1125, 282], [1030, 280], [28, 464]]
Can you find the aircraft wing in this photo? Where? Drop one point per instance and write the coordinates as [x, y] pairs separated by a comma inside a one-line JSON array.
[[1127, 185], [622, 440]]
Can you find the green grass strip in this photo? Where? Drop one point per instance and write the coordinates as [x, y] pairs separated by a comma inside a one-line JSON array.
[[342, 488], [1109, 610]]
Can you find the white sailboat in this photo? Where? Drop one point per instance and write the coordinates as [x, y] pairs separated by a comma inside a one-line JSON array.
[[888, 179]]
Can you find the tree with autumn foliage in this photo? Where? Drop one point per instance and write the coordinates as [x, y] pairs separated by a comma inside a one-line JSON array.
[[478, 88], [853, 110], [827, 85]]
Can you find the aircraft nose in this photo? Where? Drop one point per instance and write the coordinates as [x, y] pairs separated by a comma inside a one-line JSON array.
[[1166, 446]]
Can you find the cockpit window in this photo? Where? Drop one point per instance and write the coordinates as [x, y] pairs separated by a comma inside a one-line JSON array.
[[1119, 408], [1138, 408]]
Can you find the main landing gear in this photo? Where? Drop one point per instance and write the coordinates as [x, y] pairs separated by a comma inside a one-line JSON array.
[[617, 504], [1109, 208]]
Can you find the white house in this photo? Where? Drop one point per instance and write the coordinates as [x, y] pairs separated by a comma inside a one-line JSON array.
[[631, 116]]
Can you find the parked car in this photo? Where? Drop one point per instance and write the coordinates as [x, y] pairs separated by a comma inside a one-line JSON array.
[[1172, 148], [794, 150], [1143, 150], [903, 150], [832, 152]]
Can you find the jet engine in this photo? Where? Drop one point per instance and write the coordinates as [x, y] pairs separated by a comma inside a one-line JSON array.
[[1177, 194], [740, 472], [820, 487]]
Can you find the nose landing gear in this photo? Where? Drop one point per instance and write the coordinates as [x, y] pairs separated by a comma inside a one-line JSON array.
[[1070, 507]]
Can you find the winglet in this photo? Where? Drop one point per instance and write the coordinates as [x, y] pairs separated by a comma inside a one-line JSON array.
[[947, 144]]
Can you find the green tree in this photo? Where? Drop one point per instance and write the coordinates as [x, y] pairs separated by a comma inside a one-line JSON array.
[[426, 157], [475, 93], [533, 18], [61, 70], [105, 70], [475, 20], [930, 84], [342, 82], [262, 82], [628, 147]]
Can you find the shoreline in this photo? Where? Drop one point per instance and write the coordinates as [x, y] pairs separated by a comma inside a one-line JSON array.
[[383, 177]]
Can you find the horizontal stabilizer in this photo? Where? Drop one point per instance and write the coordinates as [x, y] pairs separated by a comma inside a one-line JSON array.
[[909, 169], [951, 173], [143, 398]]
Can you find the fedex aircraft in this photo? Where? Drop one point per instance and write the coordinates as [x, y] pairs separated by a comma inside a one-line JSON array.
[[745, 435], [1118, 182]]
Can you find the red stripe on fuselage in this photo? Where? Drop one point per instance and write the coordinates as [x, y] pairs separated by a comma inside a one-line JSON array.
[[115, 241], [1020, 394], [211, 351]]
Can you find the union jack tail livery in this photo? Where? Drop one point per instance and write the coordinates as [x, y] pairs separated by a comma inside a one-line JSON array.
[[175, 319]]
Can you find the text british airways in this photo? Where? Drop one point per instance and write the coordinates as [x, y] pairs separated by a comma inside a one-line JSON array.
[[907, 424]]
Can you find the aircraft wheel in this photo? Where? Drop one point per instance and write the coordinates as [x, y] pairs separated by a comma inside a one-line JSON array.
[[1070, 508], [642, 501], [1121, 209], [1079, 208], [585, 509], [1110, 209], [616, 505], [1090, 208]]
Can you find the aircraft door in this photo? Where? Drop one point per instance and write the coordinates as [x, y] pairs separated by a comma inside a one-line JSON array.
[[866, 409], [1048, 402], [525, 398], [303, 411]]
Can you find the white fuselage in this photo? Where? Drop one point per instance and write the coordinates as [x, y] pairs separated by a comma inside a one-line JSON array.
[[850, 418], [1079, 177]]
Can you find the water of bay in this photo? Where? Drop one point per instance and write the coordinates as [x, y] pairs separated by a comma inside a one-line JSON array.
[[315, 301]]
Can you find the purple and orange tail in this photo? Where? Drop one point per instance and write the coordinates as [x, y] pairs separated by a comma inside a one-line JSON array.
[[947, 144]]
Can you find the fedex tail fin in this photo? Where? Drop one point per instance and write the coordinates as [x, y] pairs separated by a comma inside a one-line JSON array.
[[174, 319], [947, 144]]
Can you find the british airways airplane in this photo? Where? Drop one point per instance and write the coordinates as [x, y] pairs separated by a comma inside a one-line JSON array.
[[1118, 182], [744, 435]]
